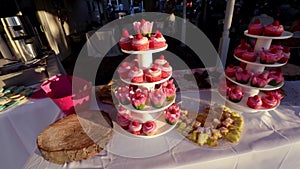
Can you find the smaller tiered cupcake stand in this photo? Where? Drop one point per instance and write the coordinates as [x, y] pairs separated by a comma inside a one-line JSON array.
[[262, 42], [148, 113]]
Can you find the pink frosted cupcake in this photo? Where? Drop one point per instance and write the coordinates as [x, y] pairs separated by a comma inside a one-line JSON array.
[[231, 69], [122, 94], [286, 55], [140, 43], [160, 61], [169, 89], [153, 74], [122, 111], [136, 75], [149, 128], [269, 101], [135, 127], [236, 95], [254, 102], [124, 69], [276, 93], [243, 76], [249, 56], [260, 80], [270, 56], [276, 77], [139, 98], [172, 114], [125, 41], [157, 41], [124, 120], [166, 70], [157, 98]]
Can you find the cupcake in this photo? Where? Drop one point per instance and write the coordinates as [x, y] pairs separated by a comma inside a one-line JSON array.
[[269, 101], [172, 114], [124, 120], [286, 55], [125, 41], [157, 41], [153, 74], [274, 29], [276, 93], [249, 56], [135, 127], [160, 61], [136, 75], [256, 28], [270, 56], [242, 48], [166, 70], [236, 95], [254, 102], [144, 27], [231, 70], [122, 94], [243, 76], [138, 98], [149, 128], [140, 43], [157, 98], [276, 77], [276, 45], [124, 69], [260, 80], [122, 111], [169, 89]]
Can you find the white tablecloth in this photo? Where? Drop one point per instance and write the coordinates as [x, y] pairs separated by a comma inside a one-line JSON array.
[[19, 128], [270, 140]]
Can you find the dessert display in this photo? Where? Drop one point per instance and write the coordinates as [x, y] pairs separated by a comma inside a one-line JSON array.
[[68, 139], [146, 99], [226, 131], [259, 73]]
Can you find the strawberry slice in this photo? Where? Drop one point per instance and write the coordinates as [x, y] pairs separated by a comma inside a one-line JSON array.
[[125, 33], [139, 36], [276, 23], [161, 57]]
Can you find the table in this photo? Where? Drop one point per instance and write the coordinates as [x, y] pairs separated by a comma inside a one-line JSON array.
[[19, 128], [270, 140]]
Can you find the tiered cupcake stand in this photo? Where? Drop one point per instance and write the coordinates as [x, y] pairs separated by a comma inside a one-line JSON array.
[[149, 113], [257, 67]]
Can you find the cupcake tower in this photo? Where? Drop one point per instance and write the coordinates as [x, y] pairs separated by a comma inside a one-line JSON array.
[[146, 97], [255, 84]]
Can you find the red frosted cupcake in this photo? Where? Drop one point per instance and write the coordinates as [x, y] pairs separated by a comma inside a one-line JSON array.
[[276, 93], [260, 80], [135, 127], [269, 101], [274, 29], [140, 42], [236, 95], [243, 76], [153, 74], [125, 41], [256, 28], [169, 89], [166, 70], [254, 102], [149, 128], [124, 69], [249, 55], [242, 48], [157, 41], [231, 70], [136, 75], [172, 114]]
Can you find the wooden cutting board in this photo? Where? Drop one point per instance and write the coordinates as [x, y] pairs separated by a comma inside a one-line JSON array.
[[75, 137]]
